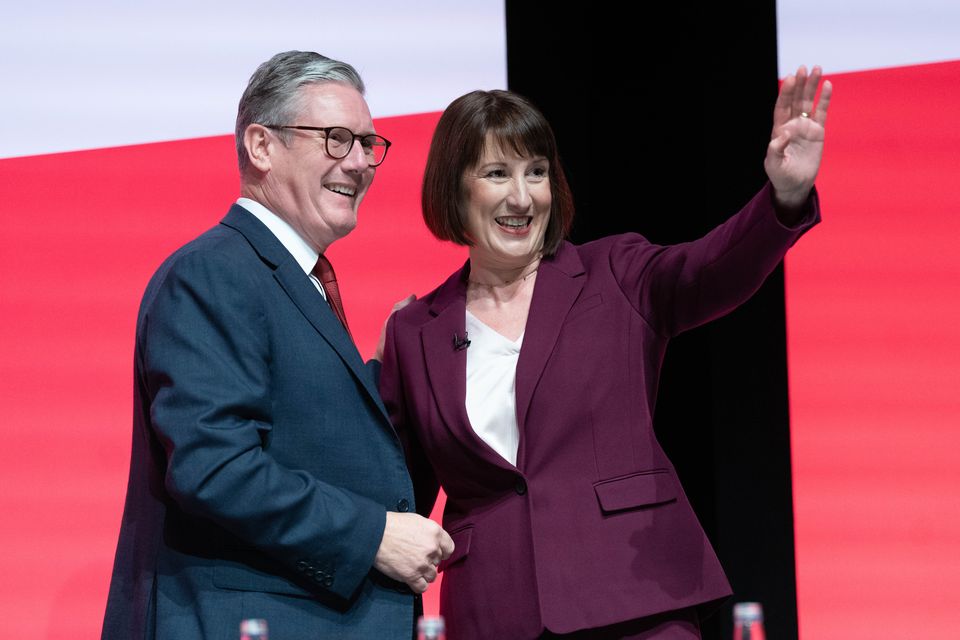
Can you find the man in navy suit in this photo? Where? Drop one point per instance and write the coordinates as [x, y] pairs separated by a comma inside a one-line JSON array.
[[265, 478]]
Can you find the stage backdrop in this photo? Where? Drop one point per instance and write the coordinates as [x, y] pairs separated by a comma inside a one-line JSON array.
[[873, 325], [116, 147]]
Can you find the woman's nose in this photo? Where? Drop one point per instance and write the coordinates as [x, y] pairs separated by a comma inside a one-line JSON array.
[[519, 199]]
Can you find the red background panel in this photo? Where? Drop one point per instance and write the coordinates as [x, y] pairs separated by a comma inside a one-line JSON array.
[[873, 321], [82, 233]]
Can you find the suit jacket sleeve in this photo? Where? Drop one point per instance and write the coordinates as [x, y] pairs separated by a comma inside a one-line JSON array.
[[425, 484], [205, 361], [678, 287]]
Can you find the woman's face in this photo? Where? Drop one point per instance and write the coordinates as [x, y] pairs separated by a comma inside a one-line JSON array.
[[506, 198]]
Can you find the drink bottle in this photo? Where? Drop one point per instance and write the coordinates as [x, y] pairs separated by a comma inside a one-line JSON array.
[[431, 628], [253, 629], [748, 621]]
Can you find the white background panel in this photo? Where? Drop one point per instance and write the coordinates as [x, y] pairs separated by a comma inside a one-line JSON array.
[[853, 35], [81, 75]]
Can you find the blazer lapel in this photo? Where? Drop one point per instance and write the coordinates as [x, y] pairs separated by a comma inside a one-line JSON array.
[[447, 365], [559, 282], [304, 294]]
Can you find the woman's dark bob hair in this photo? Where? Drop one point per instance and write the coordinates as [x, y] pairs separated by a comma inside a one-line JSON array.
[[457, 145]]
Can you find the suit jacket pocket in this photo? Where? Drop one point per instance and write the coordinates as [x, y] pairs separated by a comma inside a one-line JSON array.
[[242, 577], [642, 489], [461, 541]]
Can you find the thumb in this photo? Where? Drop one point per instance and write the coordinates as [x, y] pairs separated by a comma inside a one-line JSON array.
[[779, 144]]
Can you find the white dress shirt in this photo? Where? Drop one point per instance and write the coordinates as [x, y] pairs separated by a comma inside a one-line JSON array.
[[491, 387], [305, 255]]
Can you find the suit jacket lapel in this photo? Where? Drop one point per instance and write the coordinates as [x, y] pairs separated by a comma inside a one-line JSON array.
[[559, 282], [447, 365], [304, 294]]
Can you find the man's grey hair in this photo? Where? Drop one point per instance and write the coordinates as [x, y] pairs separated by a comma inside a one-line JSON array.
[[272, 95]]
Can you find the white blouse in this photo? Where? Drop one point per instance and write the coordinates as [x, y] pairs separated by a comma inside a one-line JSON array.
[[491, 387]]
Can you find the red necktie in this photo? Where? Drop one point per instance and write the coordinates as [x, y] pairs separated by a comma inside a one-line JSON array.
[[324, 273]]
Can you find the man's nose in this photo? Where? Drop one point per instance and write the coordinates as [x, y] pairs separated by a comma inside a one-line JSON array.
[[356, 159]]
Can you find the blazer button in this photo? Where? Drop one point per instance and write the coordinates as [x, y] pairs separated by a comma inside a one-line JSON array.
[[403, 505], [520, 486], [328, 581]]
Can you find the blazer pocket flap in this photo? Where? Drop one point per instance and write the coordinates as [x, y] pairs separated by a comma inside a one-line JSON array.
[[461, 547], [244, 578], [636, 490]]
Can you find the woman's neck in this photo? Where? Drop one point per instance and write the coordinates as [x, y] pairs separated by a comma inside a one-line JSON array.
[[496, 275], [493, 289]]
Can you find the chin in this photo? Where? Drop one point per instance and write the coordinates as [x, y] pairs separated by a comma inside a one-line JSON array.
[[345, 226]]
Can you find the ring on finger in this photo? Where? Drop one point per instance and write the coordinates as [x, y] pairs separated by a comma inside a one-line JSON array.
[[804, 114]]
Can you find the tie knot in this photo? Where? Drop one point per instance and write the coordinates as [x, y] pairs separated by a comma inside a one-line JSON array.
[[324, 270]]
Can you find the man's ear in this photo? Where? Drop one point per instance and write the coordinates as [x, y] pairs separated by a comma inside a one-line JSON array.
[[259, 145]]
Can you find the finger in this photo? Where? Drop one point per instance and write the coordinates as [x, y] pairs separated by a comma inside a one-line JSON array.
[[810, 90], [799, 92], [446, 545], [820, 115], [782, 109], [419, 585], [430, 575], [400, 304], [779, 144]]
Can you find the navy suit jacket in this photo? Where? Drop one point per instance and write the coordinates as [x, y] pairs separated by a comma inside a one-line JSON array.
[[263, 460], [592, 526]]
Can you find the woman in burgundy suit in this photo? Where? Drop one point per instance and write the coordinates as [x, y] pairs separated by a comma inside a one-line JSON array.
[[525, 384]]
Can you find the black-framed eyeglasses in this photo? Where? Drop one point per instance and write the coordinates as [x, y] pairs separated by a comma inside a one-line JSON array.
[[338, 142]]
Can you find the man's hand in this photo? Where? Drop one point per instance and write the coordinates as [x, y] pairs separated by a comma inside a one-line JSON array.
[[411, 548], [383, 330]]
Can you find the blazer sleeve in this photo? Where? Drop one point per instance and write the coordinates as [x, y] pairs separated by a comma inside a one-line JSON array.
[[205, 362], [679, 287], [425, 484]]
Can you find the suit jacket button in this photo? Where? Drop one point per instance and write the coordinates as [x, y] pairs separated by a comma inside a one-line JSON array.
[[403, 505], [520, 486], [328, 581]]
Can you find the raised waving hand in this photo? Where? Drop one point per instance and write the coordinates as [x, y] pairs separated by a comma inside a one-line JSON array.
[[796, 142]]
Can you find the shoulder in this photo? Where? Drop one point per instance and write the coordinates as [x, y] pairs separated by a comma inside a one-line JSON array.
[[597, 254], [238, 245], [411, 318], [220, 245], [214, 264], [427, 307]]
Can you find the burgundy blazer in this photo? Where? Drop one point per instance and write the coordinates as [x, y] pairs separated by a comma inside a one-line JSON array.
[[592, 526]]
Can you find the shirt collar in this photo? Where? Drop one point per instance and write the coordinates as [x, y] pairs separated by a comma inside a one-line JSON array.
[[305, 255]]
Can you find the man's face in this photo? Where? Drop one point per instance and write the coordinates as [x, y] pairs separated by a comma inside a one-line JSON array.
[[316, 194]]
